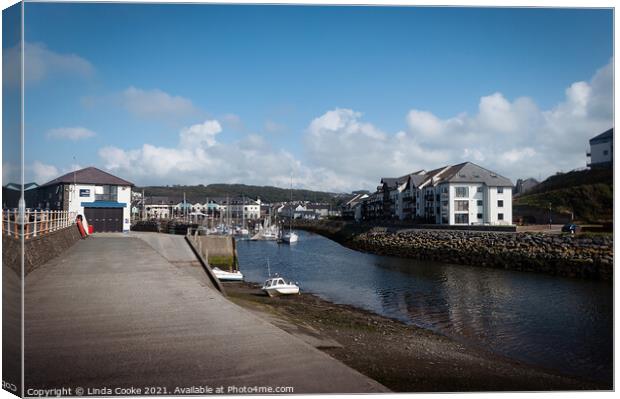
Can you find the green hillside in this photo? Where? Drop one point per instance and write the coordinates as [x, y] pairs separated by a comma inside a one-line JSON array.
[[268, 194], [588, 194]]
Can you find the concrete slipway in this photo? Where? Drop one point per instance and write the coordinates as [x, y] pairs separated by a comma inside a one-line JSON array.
[[135, 311]]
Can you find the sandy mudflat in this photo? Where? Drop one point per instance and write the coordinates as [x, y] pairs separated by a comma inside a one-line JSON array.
[[404, 358]]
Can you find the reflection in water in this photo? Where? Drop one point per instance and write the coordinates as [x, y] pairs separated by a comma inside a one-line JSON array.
[[558, 323]]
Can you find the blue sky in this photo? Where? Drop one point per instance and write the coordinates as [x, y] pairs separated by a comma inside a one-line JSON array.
[[338, 96]]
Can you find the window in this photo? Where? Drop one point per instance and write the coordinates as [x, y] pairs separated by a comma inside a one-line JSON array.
[[107, 193], [461, 206], [479, 216], [479, 203], [500, 216], [500, 203], [479, 189], [462, 192], [500, 190], [461, 218]]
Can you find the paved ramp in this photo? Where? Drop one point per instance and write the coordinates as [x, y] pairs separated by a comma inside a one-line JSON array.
[[113, 312], [176, 251]]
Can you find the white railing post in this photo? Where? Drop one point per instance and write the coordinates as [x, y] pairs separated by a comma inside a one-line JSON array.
[[34, 225], [26, 224]]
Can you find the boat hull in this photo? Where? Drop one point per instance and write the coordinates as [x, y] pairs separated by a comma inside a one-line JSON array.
[[227, 276], [290, 238], [273, 292]]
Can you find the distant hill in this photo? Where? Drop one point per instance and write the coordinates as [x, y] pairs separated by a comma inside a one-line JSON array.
[[586, 193], [268, 194]]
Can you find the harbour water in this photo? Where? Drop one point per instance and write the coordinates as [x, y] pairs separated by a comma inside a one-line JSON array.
[[557, 323]]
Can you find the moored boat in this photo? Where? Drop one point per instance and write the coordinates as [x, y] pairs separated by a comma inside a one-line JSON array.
[[290, 237], [223, 275], [277, 286]]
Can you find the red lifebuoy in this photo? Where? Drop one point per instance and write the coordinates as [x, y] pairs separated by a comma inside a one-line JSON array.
[[81, 228]]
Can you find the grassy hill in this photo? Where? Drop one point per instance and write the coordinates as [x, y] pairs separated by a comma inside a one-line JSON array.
[[200, 192], [587, 193]]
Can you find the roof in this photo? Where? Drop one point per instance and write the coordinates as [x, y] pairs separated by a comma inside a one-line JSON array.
[[18, 187], [90, 175], [416, 179], [161, 200], [391, 182], [469, 172], [603, 137], [317, 206], [466, 172]]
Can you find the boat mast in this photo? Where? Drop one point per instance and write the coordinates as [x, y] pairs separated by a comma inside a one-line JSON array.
[[243, 212], [290, 221]]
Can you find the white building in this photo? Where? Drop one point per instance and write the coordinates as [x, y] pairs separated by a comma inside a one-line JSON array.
[[103, 199], [602, 150], [463, 194], [241, 208], [157, 211]]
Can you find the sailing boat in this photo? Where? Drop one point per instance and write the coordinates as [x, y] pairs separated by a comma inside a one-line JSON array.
[[290, 237]]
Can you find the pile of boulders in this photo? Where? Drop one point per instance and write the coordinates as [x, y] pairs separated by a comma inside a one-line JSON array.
[[564, 255]]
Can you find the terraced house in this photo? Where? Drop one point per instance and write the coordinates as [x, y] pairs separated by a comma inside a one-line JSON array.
[[463, 194]]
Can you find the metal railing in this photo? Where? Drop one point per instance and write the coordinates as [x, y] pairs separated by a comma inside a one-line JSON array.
[[35, 223]]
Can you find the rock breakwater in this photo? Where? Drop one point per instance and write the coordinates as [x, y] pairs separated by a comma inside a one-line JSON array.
[[562, 255]]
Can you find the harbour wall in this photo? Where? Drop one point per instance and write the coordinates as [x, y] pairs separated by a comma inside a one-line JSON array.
[[221, 251], [37, 250], [562, 255]]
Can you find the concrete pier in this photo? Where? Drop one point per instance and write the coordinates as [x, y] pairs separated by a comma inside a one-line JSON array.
[[129, 311]]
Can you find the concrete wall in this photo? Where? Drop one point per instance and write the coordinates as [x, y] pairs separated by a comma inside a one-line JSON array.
[[221, 250], [39, 250]]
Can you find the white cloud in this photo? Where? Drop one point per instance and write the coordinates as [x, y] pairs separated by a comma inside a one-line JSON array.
[[339, 143], [200, 158], [42, 173], [156, 104], [517, 138], [70, 133], [41, 62], [342, 151], [201, 134]]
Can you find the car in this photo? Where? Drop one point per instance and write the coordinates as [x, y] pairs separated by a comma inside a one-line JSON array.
[[570, 228]]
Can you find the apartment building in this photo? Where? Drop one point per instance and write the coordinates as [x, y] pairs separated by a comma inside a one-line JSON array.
[[463, 194]]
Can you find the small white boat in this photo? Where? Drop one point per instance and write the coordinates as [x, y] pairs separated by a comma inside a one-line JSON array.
[[277, 286], [223, 275], [290, 237]]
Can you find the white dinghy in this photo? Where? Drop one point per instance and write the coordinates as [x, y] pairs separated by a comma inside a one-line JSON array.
[[223, 275]]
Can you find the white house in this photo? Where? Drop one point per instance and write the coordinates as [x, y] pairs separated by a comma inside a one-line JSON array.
[[602, 149], [157, 211], [103, 199]]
